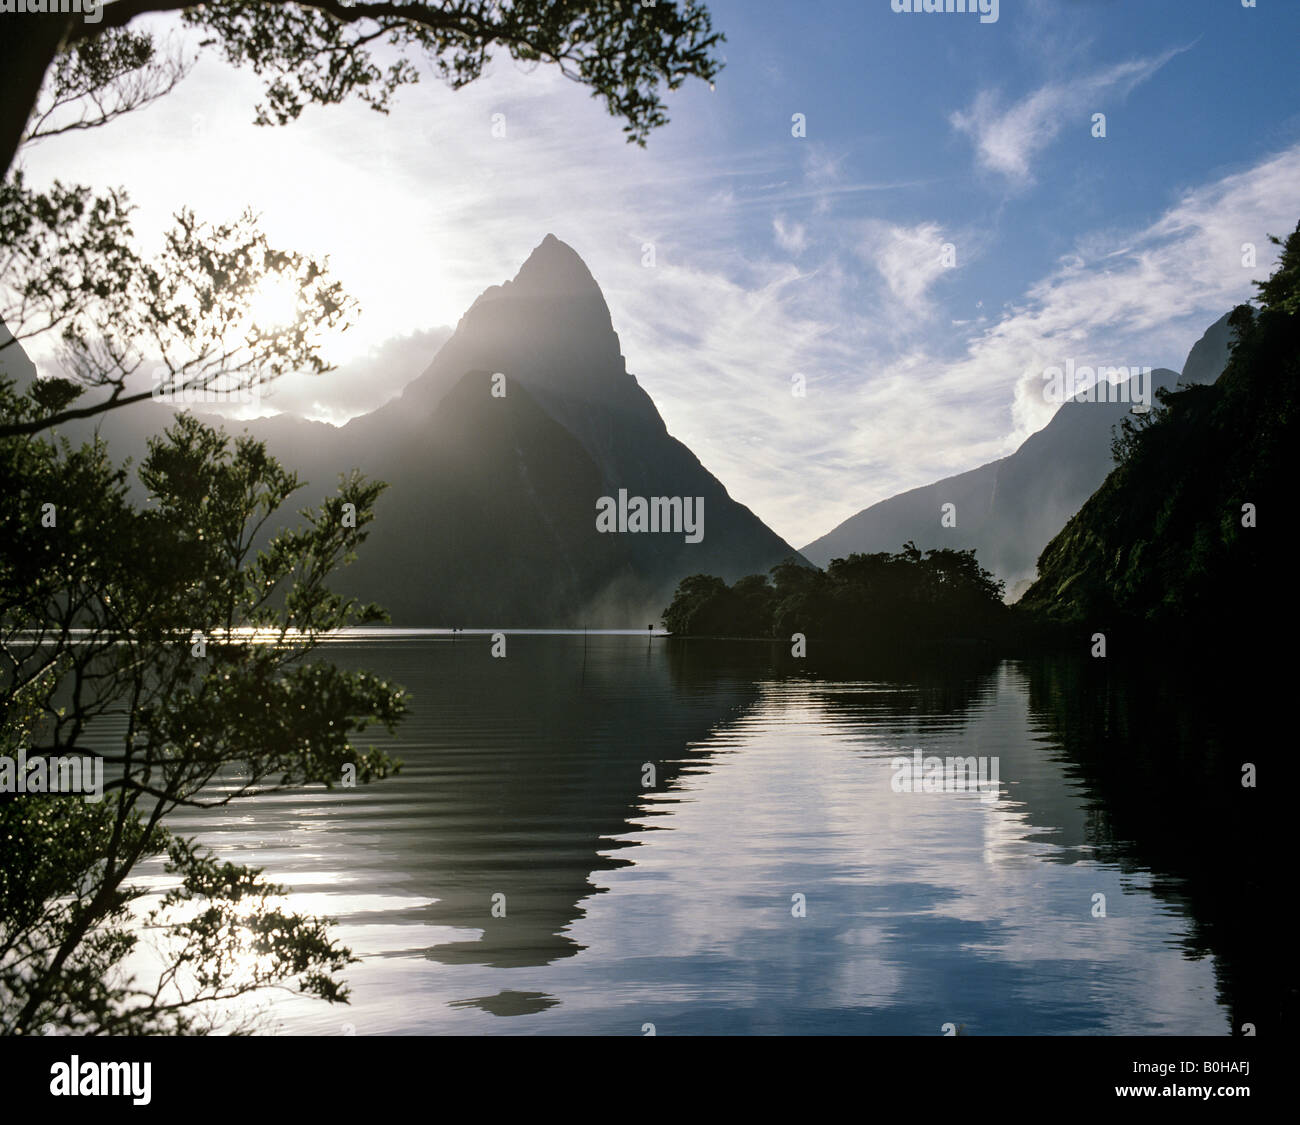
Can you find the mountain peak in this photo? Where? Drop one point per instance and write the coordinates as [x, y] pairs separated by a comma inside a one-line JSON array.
[[555, 269]]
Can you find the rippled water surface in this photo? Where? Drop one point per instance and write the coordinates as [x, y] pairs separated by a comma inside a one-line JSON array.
[[651, 810]]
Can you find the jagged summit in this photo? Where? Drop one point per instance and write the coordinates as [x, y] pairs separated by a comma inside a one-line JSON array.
[[490, 512], [497, 495], [554, 269]]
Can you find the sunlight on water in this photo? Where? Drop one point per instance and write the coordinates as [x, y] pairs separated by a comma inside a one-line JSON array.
[[678, 904]]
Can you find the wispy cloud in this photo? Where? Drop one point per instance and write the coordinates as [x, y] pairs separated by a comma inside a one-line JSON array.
[[883, 412], [1008, 138], [1148, 295], [910, 259], [774, 257], [790, 236]]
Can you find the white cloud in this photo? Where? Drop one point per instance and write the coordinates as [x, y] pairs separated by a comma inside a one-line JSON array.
[[1147, 296], [1008, 139], [360, 384], [792, 237], [1138, 298], [423, 209], [910, 259], [887, 418]]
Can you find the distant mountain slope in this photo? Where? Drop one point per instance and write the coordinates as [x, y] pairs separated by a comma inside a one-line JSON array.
[[549, 332], [490, 514], [1008, 509], [501, 533], [1164, 545]]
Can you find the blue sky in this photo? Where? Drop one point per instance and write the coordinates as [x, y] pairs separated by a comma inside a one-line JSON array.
[[777, 255]]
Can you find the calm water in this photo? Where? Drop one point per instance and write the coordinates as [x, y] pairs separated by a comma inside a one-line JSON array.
[[629, 904]]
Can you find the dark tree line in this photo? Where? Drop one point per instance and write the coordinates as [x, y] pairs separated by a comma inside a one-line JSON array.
[[902, 598]]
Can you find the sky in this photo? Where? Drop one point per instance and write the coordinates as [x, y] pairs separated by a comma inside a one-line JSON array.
[[940, 225]]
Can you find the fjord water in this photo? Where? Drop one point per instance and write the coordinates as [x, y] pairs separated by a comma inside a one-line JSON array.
[[670, 901]]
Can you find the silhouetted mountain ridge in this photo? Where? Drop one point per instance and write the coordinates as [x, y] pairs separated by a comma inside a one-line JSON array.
[[490, 514]]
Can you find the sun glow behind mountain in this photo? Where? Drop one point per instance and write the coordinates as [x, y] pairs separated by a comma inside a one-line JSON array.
[[735, 255]]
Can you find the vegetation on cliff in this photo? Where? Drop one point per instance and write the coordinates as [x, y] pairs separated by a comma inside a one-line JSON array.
[[1183, 535]]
